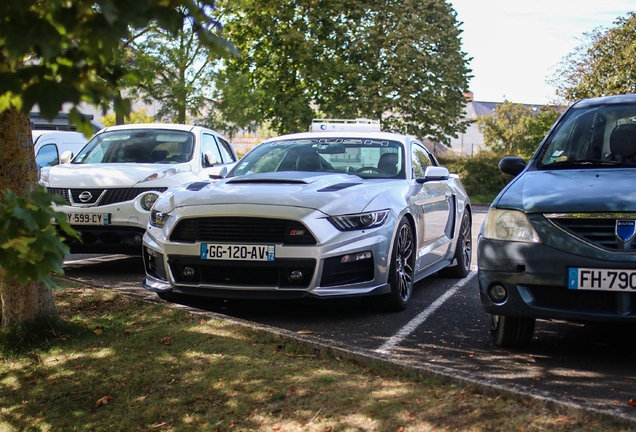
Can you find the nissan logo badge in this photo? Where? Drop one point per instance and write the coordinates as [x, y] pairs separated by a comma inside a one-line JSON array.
[[85, 196]]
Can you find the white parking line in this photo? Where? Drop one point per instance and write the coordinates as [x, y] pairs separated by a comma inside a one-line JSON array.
[[415, 322]]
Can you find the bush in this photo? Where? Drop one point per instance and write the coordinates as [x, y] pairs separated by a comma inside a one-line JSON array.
[[479, 174]]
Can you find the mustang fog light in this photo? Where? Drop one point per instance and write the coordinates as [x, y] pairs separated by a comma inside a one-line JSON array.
[[498, 293], [148, 200], [296, 276], [356, 257], [187, 272], [137, 239]]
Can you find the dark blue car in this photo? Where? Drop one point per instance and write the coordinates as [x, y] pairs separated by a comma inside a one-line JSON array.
[[558, 241]]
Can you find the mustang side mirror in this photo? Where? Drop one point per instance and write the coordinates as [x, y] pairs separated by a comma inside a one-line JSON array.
[[512, 165], [434, 173], [217, 172]]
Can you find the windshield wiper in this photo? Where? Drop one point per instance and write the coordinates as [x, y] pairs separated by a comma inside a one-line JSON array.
[[588, 162]]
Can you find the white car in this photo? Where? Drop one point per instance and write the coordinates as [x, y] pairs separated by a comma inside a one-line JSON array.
[[50, 145], [350, 211], [112, 183]]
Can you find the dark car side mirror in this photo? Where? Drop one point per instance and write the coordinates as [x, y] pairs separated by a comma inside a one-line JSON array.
[[512, 165]]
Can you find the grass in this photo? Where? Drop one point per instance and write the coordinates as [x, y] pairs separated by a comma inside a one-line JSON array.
[[482, 199], [129, 365]]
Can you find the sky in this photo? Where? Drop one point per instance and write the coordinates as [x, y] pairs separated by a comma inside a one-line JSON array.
[[516, 44]]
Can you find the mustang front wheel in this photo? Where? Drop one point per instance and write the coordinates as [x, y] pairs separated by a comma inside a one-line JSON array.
[[401, 271]]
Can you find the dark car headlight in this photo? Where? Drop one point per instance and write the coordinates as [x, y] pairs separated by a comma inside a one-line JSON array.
[[360, 221], [509, 225]]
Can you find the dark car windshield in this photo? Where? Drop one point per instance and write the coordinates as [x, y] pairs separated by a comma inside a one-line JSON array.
[[593, 136], [138, 146], [367, 158]]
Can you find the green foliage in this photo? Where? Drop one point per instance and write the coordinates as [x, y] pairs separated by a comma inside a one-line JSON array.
[[30, 247], [480, 174], [399, 61], [139, 116], [52, 52], [515, 129], [604, 64]]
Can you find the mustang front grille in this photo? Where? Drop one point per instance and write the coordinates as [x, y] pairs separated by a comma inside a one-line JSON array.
[[241, 230], [598, 230], [111, 196], [277, 274]]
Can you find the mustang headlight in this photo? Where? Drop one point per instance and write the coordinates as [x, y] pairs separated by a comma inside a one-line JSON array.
[[509, 225], [158, 218], [359, 221]]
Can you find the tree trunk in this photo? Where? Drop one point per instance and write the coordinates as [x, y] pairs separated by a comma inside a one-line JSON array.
[[20, 304]]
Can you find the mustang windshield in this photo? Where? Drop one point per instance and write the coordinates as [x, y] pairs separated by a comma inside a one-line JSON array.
[[138, 146], [364, 157], [593, 136]]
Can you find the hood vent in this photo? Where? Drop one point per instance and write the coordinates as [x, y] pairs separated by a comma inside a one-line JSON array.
[[338, 186], [197, 186], [267, 181]]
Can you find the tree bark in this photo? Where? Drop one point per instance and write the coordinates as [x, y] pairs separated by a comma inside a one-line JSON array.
[[20, 304]]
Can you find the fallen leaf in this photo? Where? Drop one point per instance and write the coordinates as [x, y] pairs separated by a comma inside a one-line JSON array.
[[304, 332], [103, 401], [98, 331], [165, 340], [127, 331], [632, 402], [202, 321]]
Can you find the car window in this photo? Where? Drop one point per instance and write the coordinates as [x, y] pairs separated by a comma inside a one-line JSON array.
[[226, 153], [138, 146], [367, 158], [421, 160], [208, 144], [47, 155], [603, 135]]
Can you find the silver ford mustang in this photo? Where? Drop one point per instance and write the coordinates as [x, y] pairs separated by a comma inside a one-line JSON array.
[[322, 214]]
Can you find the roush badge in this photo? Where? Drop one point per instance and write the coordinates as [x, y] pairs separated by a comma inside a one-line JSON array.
[[625, 230]]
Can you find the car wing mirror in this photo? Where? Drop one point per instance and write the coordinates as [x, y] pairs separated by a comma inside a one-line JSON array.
[[512, 165], [217, 172], [433, 173], [210, 159], [66, 157]]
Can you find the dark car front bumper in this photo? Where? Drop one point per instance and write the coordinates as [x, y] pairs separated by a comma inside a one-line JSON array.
[[535, 278]]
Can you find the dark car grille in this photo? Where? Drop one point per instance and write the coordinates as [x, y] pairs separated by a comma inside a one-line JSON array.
[[598, 231], [242, 230], [111, 196]]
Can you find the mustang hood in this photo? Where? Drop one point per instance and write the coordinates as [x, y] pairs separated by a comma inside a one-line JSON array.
[[570, 191], [104, 175], [324, 192]]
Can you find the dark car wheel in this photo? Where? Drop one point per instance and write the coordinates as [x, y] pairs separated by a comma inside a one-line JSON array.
[[511, 331], [401, 271], [463, 251]]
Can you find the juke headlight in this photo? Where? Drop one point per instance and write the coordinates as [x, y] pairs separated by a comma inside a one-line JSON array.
[[360, 221], [509, 225]]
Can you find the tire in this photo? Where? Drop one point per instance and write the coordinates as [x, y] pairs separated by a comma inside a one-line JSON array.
[[463, 251], [511, 331], [401, 270]]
